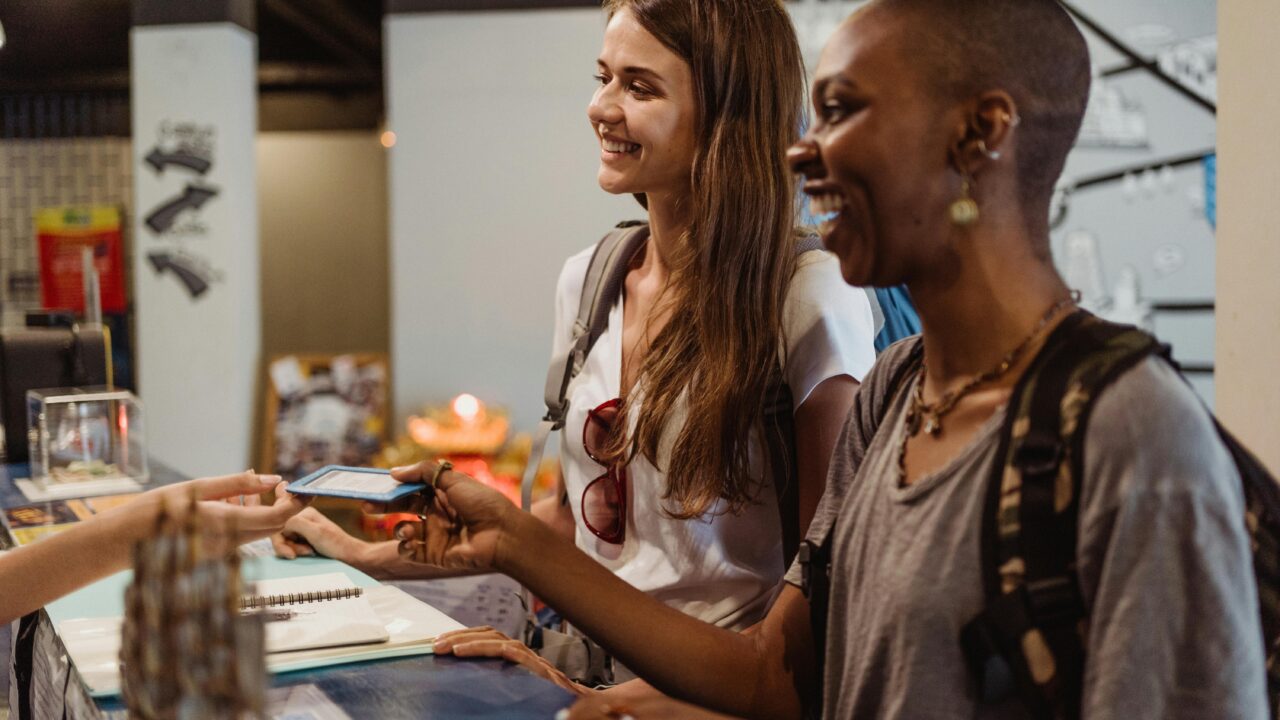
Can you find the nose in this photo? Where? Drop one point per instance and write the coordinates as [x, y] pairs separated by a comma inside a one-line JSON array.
[[805, 159], [604, 108]]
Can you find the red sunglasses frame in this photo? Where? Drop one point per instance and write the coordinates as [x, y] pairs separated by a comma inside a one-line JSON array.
[[615, 474]]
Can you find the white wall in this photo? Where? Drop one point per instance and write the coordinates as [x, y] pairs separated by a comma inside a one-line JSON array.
[[1249, 258], [492, 186]]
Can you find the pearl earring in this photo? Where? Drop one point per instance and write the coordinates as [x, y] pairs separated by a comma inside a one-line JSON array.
[[964, 211]]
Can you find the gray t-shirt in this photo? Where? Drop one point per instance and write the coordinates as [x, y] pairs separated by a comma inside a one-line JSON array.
[[1164, 564]]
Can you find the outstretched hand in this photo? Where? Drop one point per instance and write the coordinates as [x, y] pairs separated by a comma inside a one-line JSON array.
[[240, 511], [311, 533], [462, 522], [487, 642]]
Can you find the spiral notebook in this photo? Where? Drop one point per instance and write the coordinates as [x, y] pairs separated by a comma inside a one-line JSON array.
[[358, 624], [325, 611]]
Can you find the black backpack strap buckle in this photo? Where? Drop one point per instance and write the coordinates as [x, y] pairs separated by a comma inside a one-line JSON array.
[[1039, 455], [1054, 602], [815, 569]]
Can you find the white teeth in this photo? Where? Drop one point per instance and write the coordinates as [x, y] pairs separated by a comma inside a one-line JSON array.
[[618, 147], [826, 209]]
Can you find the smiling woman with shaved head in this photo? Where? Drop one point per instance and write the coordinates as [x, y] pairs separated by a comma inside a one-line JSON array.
[[941, 127]]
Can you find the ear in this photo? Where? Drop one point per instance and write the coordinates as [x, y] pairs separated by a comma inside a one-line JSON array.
[[986, 135]]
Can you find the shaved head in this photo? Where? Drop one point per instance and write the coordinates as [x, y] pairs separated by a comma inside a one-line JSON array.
[[1030, 49]]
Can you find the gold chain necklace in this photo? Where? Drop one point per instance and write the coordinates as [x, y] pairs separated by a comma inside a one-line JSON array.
[[928, 416]]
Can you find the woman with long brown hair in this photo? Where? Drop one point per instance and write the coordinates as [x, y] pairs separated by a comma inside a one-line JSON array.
[[695, 102], [666, 478]]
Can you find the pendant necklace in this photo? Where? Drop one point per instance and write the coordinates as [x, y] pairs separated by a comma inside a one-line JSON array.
[[927, 417]]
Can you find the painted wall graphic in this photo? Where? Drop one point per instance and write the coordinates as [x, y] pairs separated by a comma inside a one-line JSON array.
[[182, 156], [1115, 119], [62, 233]]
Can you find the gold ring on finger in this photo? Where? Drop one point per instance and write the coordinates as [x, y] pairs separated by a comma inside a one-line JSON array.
[[442, 467]]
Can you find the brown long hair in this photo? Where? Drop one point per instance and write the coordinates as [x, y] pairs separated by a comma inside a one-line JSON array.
[[728, 277]]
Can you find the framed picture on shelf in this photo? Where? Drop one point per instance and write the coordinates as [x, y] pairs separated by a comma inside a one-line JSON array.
[[324, 410]]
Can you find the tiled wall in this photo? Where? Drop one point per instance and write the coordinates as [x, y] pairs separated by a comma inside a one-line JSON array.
[[41, 173]]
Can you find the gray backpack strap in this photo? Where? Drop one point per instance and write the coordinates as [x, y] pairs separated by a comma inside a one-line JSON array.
[[808, 242], [600, 289], [577, 656]]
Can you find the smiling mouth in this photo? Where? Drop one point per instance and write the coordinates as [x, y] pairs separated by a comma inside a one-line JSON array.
[[827, 209], [614, 146]]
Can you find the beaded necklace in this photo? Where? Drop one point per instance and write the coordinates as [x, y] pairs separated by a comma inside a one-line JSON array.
[[928, 416]]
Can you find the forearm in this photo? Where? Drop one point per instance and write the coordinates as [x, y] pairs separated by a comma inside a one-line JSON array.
[[382, 560], [45, 571], [680, 655]]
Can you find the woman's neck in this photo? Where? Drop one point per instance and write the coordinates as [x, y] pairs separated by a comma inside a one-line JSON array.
[[983, 305], [668, 222]]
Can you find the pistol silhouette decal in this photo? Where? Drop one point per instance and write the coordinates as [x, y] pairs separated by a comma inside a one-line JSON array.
[[159, 160], [194, 281], [163, 217]]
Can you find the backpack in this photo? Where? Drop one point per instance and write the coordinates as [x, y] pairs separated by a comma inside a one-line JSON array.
[[896, 315], [606, 273], [1028, 638]]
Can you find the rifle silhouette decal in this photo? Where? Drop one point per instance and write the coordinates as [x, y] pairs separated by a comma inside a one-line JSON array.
[[159, 159], [194, 282], [163, 217]]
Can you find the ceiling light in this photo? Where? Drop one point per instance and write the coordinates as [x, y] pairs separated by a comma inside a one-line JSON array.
[[1, 36]]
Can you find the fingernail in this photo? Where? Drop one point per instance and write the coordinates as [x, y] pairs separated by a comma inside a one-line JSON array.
[[269, 479], [401, 468], [563, 714], [440, 646]]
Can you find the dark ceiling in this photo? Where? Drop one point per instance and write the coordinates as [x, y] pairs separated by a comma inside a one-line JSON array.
[[328, 50]]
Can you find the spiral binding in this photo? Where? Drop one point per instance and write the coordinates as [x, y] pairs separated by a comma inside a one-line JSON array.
[[258, 601]]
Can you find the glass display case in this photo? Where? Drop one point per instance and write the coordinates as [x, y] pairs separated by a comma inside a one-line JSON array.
[[79, 435]]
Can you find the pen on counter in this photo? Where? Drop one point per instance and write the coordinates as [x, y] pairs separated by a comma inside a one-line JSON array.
[[272, 614]]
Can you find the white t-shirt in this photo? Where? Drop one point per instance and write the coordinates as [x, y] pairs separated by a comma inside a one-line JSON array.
[[720, 568]]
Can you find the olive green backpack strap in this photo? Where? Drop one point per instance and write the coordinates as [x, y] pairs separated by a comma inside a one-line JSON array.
[[1029, 639]]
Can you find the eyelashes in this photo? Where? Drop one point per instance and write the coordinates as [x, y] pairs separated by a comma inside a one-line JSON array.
[[635, 88], [832, 111]]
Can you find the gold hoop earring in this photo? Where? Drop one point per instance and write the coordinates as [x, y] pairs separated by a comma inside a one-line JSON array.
[[964, 211]]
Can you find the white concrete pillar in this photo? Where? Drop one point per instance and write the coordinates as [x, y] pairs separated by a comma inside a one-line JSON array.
[[195, 229]]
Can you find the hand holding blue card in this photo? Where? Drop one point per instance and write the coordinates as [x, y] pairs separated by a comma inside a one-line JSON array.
[[368, 484]]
